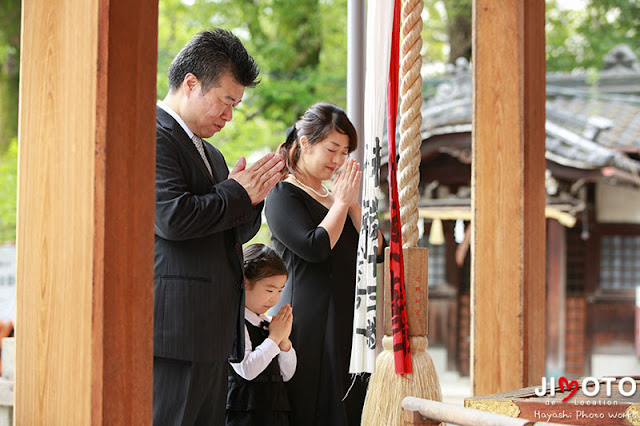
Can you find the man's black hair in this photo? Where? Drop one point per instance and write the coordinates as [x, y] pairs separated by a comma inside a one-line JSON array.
[[210, 55]]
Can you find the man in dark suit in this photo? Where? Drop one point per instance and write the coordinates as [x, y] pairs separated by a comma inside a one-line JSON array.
[[203, 215]]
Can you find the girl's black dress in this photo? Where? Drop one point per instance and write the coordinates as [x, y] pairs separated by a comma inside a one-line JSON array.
[[321, 290], [262, 401]]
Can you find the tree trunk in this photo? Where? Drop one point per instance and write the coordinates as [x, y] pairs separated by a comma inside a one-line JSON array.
[[459, 29]]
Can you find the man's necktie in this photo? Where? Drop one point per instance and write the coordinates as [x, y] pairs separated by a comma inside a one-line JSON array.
[[200, 147]]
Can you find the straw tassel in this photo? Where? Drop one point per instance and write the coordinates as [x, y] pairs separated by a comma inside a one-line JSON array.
[[382, 406], [387, 389]]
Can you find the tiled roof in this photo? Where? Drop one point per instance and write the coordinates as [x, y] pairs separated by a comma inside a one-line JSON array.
[[588, 125], [623, 111]]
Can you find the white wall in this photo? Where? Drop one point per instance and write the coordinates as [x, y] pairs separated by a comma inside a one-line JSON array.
[[616, 204], [7, 282]]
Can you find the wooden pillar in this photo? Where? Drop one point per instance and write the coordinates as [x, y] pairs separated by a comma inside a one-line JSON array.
[[453, 279], [508, 247], [86, 212], [556, 298]]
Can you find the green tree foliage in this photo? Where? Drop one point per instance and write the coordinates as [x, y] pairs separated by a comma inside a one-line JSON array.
[[435, 40], [8, 172], [576, 38], [581, 38], [9, 73], [458, 27], [300, 46], [9, 70]]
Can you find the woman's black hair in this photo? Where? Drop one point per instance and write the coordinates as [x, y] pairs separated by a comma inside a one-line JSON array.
[[316, 123], [261, 261]]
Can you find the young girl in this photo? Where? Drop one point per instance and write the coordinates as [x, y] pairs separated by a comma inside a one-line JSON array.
[[256, 394]]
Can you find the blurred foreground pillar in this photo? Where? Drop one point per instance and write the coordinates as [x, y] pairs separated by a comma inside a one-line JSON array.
[[508, 238], [86, 212]]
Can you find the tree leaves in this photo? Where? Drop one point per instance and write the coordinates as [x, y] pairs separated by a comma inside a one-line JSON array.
[[580, 38], [299, 45]]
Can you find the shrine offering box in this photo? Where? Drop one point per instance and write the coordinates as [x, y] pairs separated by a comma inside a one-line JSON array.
[[586, 401]]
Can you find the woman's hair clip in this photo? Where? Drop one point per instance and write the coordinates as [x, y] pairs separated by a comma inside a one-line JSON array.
[[291, 134]]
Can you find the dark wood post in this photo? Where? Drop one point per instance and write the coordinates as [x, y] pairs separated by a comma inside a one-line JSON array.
[[556, 298]]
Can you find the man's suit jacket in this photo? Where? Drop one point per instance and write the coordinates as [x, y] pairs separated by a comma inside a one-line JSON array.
[[201, 223]]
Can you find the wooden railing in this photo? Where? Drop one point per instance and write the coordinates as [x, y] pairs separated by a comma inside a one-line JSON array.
[[425, 412]]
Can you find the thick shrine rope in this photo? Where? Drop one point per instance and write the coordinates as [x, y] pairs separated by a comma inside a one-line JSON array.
[[410, 119], [427, 384], [387, 388]]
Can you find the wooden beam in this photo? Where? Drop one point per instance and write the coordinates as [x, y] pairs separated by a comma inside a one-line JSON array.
[[418, 411], [508, 261], [86, 212], [556, 298]]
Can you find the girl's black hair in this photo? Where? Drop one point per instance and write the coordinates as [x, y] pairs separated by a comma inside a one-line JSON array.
[[261, 262]]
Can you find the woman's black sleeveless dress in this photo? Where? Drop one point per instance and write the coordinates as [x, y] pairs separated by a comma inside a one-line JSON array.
[[321, 290]]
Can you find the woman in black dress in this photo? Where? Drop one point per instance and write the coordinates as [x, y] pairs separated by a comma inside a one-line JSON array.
[[316, 232]]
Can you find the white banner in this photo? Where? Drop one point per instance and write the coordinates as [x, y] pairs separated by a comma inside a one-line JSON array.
[[378, 39]]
